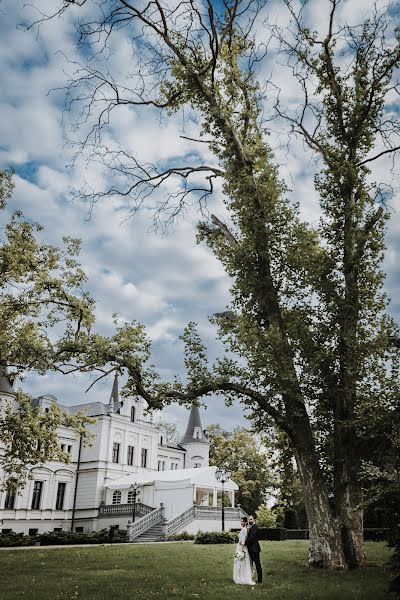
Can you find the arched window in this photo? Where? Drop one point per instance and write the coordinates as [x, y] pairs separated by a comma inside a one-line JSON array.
[[197, 433], [116, 499], [133, 414], [130, 497]]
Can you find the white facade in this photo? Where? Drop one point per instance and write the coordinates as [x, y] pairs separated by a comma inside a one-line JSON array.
[[127, 445]]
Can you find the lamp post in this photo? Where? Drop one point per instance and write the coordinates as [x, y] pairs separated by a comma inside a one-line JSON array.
[[222, 475], [133, 490]]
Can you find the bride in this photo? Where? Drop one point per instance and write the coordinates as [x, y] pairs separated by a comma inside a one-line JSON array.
[[241, 567]]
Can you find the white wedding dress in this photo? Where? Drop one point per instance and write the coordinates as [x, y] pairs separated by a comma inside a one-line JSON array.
[[242, 568]]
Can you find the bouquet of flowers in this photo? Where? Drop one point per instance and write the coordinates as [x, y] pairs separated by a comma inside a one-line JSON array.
[[239, 556]]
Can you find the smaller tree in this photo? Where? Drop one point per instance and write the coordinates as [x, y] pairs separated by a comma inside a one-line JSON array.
[[248, 460], [29, 436], [265, 516]]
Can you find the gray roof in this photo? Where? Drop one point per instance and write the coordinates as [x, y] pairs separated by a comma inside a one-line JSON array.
[[93, 409], [194, 421], [5, 385]]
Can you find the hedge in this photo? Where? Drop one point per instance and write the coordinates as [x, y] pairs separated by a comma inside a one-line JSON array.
[[56, 538], [270, 533], [375, 534], [183, 535], [297, 534], [216, 537], [274, 534]]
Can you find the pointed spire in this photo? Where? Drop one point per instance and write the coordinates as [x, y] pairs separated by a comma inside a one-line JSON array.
[[194, 431], [114, 398], [5, 385]]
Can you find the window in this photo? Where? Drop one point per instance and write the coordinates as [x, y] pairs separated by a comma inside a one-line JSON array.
[[33, 532], [79, 529], [10, 500], [116, 499], [6, 531], [197, 465], [131, 496], [133, 414], [197, 433], [143, 457], [62, 447], [69, 450], [131, 451], [174, 466], [115, 453], [161, 441], [161, 465], [36, 495], [60, 495], [57, 529]]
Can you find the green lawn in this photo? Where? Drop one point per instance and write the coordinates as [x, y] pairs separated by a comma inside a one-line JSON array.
[[183, 571]]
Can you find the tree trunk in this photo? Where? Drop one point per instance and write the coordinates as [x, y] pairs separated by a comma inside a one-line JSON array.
[[348, 497], [326, 549]]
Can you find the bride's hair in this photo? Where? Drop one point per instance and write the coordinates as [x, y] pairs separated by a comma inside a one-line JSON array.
[[244, 519]]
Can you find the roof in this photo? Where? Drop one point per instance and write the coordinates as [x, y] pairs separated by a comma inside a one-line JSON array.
[[194, 422], [204, 476], [5, 385], [93, 409]]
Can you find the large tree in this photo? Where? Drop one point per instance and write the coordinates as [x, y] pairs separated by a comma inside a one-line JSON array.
[[308, 313]]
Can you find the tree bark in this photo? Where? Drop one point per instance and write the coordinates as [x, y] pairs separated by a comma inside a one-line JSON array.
[[326, 548]]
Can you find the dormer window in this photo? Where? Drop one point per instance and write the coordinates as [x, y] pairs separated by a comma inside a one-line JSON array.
[[133, 411], [197, 434]]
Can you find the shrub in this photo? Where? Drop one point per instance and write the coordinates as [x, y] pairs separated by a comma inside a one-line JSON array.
[[215, 537], [265, 516], [61, 538], [13, 540], [182, 535]]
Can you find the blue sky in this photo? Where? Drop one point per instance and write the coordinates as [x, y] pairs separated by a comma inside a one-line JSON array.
[[162, 281]]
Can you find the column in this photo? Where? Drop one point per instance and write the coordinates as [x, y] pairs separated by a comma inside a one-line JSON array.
[[232, 494], [215, 497]]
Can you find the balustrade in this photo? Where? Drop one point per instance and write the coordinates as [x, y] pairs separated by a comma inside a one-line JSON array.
[[114, 510]]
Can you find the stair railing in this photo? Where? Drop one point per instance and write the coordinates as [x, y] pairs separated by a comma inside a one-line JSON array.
[[144, 523], [182, 519]]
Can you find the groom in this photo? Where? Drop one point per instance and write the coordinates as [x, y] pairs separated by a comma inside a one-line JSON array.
[[253, 547]]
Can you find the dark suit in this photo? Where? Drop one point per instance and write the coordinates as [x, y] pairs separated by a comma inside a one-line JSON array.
[[254, 549]]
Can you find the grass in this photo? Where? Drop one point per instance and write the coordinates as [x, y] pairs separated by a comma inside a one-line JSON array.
[[183, 571]]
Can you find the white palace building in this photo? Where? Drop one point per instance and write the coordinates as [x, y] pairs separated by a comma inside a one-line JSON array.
[[129, 473]]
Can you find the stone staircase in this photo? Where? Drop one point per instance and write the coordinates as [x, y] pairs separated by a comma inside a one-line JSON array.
[[153, 534]]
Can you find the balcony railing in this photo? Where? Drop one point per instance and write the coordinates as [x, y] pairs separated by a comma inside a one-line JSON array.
[[115, 510], [214, 512]]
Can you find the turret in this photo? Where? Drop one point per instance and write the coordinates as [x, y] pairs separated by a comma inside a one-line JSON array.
[[113, 404], [195, 441]]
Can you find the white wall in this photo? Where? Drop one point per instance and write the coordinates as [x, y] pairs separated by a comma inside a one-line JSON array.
[[175, 497], [210, 525]]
